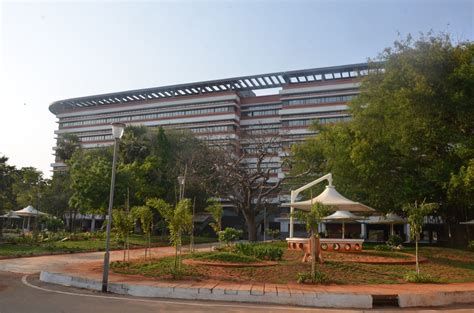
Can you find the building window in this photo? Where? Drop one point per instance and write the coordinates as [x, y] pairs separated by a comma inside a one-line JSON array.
[[320, 100]]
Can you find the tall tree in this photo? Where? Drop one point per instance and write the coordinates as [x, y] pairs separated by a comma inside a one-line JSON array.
[[411, 130], [135, 144], [248, 188], [67, 144], [56, 194], [8, 176], [90, 180], [29, 187]]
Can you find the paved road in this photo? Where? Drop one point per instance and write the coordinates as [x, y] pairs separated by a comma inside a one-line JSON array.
[[25, 293], [20, 293], [32, 265]]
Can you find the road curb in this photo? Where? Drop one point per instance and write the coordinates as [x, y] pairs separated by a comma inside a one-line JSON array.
[[310, 299], [435, 298]]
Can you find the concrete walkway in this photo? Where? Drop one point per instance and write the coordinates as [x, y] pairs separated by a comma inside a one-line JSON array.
[[58, 262], [83, 270], [31, 265]]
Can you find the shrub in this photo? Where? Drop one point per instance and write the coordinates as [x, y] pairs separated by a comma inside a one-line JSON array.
[[318, 278], [383, 248], [470, 245], [119, 264], [229, 234], [245, 248], [226, 257], [262, 252], [394, 241], [99, 235], [268, 253], [274, 233], [51, 223], [414, 277]]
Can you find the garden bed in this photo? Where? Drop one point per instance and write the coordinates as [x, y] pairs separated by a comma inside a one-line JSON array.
[[229, 264], [375, 257], [447, 265], [29, 248], [226, 259]]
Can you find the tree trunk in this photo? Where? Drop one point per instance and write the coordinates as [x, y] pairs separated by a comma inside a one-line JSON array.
[[176, 257], [416, 257], [149, 244], [73, 222], [313, 255], [251, 226], [1, 229], [124, 250], [319, 255], [70, 221]]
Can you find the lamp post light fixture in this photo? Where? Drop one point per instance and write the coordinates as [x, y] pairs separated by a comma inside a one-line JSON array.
[[117, 133]]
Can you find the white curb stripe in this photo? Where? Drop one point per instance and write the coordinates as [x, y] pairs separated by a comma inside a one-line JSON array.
[[25, 282]]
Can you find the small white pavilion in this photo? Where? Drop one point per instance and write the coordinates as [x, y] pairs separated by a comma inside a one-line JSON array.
[[29, 212]]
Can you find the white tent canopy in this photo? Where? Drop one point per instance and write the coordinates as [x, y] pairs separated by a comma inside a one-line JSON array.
[[471, 222], [28, 211], [331, 197], [389, 219], [10, 214], [342, 216]]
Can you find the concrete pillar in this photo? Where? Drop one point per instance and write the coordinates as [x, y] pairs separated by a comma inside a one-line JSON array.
[[93, 223], [407, 232], [363, 231], [323, 227]]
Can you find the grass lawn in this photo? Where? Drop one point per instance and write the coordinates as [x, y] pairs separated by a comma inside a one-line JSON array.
[[225, 257], [447, 265], [89, 245]]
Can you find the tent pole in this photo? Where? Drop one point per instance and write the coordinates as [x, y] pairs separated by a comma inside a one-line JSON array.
[[292, 209]]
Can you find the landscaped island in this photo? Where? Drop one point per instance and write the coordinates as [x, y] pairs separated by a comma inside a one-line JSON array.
[[369, 267]]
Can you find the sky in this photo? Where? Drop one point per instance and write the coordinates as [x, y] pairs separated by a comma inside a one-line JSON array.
[[56, 50]]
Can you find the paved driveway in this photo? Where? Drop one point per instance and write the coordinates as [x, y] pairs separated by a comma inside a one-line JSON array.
[[55, 262]]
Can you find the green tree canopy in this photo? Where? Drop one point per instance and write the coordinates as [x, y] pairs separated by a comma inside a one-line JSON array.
[[67, 144], [8, 176], [412, 129], [29, 186]]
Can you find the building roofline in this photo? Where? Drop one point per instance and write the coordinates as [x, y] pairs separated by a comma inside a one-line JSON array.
[[237, 84]]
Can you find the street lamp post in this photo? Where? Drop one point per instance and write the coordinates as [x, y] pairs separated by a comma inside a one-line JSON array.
[[264, 221], [181, 181], [117, 132]]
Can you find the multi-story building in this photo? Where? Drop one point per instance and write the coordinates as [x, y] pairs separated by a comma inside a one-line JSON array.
[[225, 110]]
